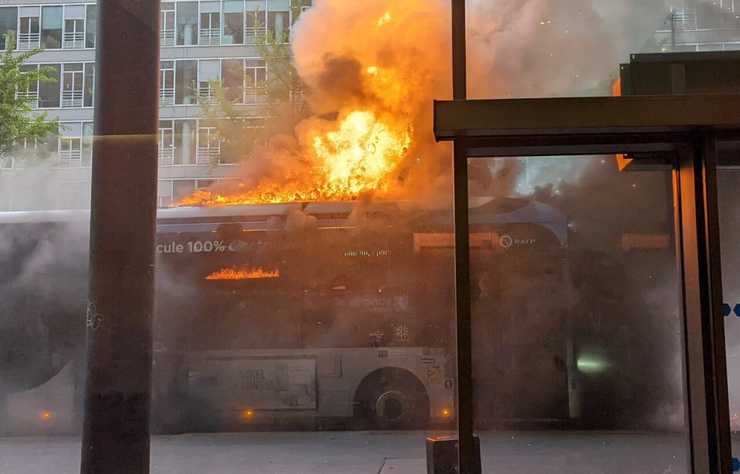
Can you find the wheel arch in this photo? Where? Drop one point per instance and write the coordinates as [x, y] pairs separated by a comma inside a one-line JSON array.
[[366, 384]]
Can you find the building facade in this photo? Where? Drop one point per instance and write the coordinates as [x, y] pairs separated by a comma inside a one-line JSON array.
[[699, 25], [202, 41]]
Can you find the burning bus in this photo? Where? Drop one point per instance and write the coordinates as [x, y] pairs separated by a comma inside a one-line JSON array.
[[311, 315]]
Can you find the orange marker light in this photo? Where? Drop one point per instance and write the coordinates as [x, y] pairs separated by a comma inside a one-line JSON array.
[[446, 413], [46, 415], [247, 414]]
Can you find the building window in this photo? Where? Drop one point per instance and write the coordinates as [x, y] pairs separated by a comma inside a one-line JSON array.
[[31, 94], [278, 23], [91, 25], [209, 73], [186, 76], [89, 84], [166, 143], [233, 22], [72, 80], [233, 80], [255, 80], [29, 36], [210, 23], [70, 150], [49, 91], [185, 142], [209, 145], [187, 23], [74, 27], [256, 21], [51, 27], [70, 144], [167, 24], [167, 83], [8, 24]]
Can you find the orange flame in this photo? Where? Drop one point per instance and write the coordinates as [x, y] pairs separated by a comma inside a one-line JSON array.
[[381, 101], [234, 274], [355, 158]]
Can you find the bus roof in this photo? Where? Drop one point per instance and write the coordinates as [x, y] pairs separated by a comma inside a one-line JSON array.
[[183, 219]]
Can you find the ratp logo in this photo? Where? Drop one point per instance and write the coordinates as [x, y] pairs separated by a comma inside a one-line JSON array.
[[506, 241]]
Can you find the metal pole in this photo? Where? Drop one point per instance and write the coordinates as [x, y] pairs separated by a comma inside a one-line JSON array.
[[466, 446], [700, 265], [122, 229], [459, 51]]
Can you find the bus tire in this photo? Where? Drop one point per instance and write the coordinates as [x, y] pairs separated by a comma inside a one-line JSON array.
[[392, 398]]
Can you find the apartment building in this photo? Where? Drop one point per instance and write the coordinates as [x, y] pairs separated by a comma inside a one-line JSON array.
[[202, 41], [700, 25]]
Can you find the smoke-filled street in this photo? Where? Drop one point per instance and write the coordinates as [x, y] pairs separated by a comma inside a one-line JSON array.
[[368, 453], [378, 237]]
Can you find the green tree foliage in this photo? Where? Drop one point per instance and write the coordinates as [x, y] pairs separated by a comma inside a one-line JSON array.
[[18, 122]]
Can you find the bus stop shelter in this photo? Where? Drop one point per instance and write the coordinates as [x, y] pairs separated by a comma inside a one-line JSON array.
[[691, 134]]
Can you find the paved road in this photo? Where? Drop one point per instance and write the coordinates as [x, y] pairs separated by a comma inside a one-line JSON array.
[[366, 453]]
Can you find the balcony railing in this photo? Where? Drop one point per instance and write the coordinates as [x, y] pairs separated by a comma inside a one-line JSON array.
[[71, 157], [255, 95], [28, 41], [210, 36], [31, 97], [166, 155], [72, 99], [206, 94], [74, 39], [167, 37], [254, 35], [207, 155], [167, 96]]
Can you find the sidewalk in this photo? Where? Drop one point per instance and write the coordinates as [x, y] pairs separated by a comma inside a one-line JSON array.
[[367, 453]]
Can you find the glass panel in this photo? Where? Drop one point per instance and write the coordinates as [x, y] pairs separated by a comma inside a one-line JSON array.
[[91, 26], [89, 83], [729, 212], [234, 6], [74, 12], [87, 143], [51, 27], [233, 22], [233, 78], [8, 24], [186, 76], [185, 141], [575, 318], [49, 90], [277, 23], [187, 23]]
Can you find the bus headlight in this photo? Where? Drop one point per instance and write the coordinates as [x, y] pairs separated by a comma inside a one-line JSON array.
[[591, 364]]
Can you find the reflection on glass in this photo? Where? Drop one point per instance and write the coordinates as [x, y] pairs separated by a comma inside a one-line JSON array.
[[186, 77], [575, 319], [233, 22], [51, 27], [49, 90], [729, 213], [187, 23], [91, 21], [8, 24]]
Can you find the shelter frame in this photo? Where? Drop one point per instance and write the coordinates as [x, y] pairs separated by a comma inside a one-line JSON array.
[[685, 133]]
